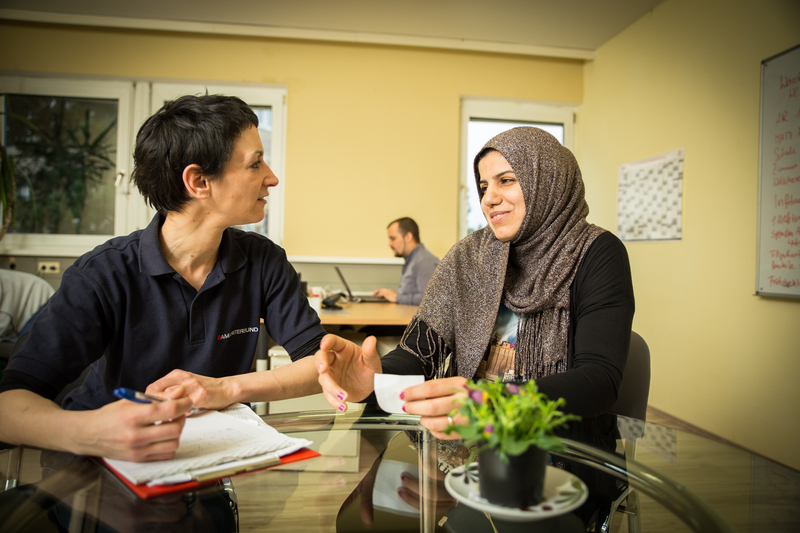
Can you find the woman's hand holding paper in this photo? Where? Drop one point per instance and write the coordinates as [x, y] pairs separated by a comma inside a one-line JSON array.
[[434, 400]]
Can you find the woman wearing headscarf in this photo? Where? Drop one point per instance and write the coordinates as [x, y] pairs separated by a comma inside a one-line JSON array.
[[539, 293]]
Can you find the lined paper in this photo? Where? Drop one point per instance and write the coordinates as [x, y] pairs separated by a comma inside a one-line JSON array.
[[214, 438]]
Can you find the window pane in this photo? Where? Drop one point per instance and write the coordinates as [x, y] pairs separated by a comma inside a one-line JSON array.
[[479, 132], [264, 114], [65, 154]]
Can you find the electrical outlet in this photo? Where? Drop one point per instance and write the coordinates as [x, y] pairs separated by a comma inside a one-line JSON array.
[[49, 267]]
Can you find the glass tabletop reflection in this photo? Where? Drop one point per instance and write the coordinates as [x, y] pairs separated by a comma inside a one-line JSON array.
[[380, 472]]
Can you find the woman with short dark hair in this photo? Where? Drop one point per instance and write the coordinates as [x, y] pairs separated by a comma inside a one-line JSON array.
[[173, 309]]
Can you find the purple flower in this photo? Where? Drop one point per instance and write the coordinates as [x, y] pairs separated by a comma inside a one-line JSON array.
[[488, 428], [512, 388], [476, 396]]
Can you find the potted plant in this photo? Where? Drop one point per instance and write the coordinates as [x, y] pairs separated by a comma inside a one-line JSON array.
[[512, 426]]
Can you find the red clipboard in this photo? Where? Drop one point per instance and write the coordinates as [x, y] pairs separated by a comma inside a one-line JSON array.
[[145, 492]]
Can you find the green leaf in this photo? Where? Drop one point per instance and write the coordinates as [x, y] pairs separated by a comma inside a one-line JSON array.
[[466, 432], [550, 443], [515, 447], [518, 419]]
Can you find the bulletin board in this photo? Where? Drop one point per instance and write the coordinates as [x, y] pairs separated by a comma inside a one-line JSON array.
[[778, 256], [650, 198]]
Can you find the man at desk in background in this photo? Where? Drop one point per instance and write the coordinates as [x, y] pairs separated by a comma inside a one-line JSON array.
[[187, 292], [420, 263]]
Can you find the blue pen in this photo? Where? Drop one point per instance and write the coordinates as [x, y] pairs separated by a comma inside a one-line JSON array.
[[140, 397]]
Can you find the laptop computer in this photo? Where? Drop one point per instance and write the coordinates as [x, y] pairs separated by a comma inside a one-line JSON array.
[[362, 299]]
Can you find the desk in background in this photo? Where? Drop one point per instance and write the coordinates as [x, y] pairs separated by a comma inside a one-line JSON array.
[[368, 314], [346, 322], [351, 314]]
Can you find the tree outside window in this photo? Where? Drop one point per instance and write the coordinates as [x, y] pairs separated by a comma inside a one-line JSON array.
[[64, 149]]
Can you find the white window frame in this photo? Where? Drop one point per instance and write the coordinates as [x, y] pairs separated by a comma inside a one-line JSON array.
[[137, 101], [476, 107], [124, 204]]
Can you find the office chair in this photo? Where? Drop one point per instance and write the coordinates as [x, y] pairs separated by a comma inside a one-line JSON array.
[[634, 392], [22, 296]]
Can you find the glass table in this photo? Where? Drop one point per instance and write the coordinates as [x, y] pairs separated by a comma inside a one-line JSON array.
[[386, 473]]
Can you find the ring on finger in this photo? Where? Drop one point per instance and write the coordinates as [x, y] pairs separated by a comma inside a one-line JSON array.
[[450, 421]]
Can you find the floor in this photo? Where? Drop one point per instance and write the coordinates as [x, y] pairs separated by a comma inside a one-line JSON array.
[[749, 492]]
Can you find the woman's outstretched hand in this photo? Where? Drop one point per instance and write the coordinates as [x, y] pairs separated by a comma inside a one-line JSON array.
[[346, 370]]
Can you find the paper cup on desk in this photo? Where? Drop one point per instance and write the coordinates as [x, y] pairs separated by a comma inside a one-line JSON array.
[[316, 291]]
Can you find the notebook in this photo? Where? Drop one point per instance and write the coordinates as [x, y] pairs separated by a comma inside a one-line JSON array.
[[362, 299], [212, 445], [146, 491]]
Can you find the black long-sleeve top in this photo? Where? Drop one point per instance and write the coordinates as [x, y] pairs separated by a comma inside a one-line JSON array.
[[601, 315]]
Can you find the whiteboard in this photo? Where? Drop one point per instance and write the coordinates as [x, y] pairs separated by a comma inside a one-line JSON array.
[[778, 268]]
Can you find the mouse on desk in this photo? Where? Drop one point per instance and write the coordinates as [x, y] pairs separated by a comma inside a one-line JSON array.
[[329, 302]]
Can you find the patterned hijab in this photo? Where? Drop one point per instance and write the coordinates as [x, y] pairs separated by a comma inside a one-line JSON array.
[[531, 274]]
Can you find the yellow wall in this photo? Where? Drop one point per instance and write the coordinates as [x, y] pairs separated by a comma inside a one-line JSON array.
[[688, 76], [373, 131]]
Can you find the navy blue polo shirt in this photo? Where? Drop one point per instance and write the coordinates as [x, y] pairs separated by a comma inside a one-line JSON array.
[[123, 309]]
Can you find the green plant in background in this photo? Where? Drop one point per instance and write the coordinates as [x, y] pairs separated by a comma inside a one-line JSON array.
[[509, 418], [8, 190], [63, 150]]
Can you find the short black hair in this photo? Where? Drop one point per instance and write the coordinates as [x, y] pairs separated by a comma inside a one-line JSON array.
[[189, 130], [407, 225]]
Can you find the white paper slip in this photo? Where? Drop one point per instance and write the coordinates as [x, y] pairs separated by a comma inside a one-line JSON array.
[[388, 388], [387, 481]]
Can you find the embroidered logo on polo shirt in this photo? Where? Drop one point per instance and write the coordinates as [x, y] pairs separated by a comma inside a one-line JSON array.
[[236, 332]]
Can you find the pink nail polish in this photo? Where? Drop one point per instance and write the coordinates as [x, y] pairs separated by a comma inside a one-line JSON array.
[[341, 408], [404, 408], [400, 492], [340, 396], [403, 476], [402, 395]]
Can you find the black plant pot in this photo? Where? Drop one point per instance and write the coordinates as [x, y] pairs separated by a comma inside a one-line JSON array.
[[519, 483]]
